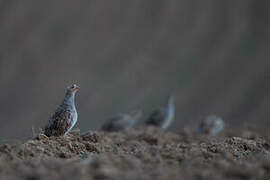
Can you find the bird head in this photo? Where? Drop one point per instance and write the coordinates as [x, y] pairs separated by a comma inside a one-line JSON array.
[[73, 88], [171, 99]]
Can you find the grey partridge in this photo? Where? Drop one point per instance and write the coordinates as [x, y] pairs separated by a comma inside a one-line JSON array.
[[211, 125], [163, 116], [65, 116], [122, 121]]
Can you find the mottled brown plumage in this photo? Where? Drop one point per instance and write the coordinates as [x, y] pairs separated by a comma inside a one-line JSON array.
[[60, 122]]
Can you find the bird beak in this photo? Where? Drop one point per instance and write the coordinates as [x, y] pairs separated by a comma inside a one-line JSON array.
[[75, 89]]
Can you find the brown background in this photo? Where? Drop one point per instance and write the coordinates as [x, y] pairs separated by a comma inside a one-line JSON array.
[[214, 55]]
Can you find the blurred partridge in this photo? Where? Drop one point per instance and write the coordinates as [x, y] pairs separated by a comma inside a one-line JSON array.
[[211, 125], [65, 116], [164, 116], [121, 121]]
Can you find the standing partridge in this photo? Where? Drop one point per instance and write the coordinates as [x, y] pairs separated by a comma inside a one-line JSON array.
[[164, 116], [65, 116], [121, 121]]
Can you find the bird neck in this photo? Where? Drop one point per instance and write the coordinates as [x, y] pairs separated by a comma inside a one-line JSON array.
[[171, 107], [68, 100]]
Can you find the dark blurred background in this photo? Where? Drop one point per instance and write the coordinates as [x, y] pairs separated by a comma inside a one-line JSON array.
[[213, 55]]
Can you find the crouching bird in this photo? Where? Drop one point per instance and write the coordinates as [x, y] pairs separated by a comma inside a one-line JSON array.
[[163, 116], [65, 116], [211, 125], [122, 121]]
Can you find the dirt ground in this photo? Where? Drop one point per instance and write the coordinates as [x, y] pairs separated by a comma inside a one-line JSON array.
[[142, 153]]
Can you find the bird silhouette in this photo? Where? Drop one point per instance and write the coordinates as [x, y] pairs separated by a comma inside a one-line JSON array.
[[211, 125], [163, 116], [122, 121]]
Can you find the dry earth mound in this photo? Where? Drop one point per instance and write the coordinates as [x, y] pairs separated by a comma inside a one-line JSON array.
[[143, 153]]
